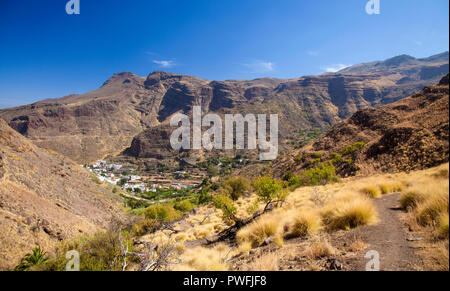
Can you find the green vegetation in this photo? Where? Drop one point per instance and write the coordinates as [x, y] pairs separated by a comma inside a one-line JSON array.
[[37, 257], [353, 148], [321, 175], [336, 158], [184, 206], [213, 170], [162, 213], [269, 189], [98, 252], [227, 206], [236, 187]]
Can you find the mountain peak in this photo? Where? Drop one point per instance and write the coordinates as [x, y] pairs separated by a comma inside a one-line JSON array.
[[399, 60], [121, 77]]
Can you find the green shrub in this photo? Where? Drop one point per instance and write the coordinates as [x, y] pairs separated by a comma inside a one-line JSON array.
[[227, 206], [163, 213], [236, 187], [353, 148], [267, 188], [184, 206], [205, 197], [336, 158], [321, 175], [98, 252], [144, 226], [288, 176], [293, 183]]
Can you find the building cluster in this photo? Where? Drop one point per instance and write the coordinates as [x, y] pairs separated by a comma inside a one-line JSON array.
[[109, 173]]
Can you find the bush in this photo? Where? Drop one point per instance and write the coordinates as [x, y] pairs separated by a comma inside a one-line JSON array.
[[411, 199], [371, 191], [98, 252], [389, 188], [162, 213], [306, 223], [227, 206], [259, 231], [348, 214], [429, 212], [184, 206], [288, 176], [213, 171], [144, 227], [353, 148], [320, 249], [136, 204], [267, 188], [336, 158], [236, 187], [443, 226], [322, 175]]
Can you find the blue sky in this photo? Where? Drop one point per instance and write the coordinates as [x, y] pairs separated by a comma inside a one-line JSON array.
[[45, 53]]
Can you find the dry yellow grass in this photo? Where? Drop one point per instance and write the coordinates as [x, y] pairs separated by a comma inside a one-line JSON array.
[[320, 249], [357, 246], [266, 262], [427, 196], [255, 234], [349, 211], [305, 223], [443, 226], [204, 259], [371, 191], [388, 188]]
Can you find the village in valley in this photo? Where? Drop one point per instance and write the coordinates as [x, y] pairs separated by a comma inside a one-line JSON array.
[[137, 184]]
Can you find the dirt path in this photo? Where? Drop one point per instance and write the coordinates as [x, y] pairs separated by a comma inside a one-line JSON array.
[[389, 238]]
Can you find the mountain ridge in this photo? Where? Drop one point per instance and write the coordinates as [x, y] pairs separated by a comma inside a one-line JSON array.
[[410, 134], [104, 122]]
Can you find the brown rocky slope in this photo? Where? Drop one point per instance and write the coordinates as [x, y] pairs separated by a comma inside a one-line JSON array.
[[104, 122], [45, 198], [407, 135]]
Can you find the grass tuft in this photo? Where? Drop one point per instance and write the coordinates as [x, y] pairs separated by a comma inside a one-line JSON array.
[[306, 223], [348, 214], [371, 191]]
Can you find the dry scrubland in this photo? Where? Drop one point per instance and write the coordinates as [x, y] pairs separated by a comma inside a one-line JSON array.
[[307, 221], [313, 228]]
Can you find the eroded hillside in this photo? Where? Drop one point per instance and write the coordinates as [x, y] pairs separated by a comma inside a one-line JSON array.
[[45, 198], [410, 134]]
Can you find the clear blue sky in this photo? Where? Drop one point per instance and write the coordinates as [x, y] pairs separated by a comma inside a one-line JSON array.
[[45, 53]]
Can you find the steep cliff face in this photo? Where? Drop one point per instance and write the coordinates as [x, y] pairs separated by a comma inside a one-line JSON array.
[[410, 134], [44, 198], [105, 122]]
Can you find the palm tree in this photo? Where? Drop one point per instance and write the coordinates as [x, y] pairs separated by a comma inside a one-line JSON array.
[[29, 260]]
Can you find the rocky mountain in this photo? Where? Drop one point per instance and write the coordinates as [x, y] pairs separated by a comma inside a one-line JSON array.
[[45, 197], [410, 134], [106, 121]]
